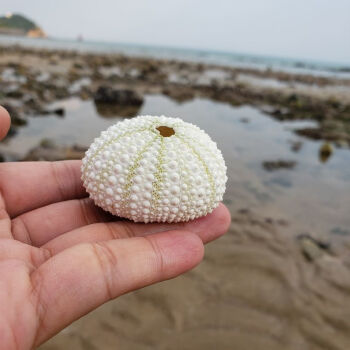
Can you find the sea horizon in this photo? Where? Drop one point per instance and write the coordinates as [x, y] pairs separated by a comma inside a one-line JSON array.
[[216, 57]]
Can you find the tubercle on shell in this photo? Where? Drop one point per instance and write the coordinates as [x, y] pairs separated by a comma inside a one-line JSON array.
[[155, 169]]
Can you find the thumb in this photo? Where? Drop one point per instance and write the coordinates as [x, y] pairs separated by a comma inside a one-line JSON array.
[[5, 122], [81, 278]]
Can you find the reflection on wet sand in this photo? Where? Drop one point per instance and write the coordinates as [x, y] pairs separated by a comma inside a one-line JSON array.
[[325, 152], [108, 111]]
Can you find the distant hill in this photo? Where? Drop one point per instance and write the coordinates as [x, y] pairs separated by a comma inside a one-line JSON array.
[[15, 24]]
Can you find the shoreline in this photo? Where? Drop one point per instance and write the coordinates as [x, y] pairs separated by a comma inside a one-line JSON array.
[[39, 77], [293, 65], [267, 72]]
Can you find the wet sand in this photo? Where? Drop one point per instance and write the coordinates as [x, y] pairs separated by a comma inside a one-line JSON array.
[[280, 278], [254, 290]]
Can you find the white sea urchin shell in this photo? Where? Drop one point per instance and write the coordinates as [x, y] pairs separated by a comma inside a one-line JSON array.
[[155, 169]]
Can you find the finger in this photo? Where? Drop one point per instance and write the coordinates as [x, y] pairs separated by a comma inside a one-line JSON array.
[[11, 249], [5, 122], [30, 185], [98, 272], [5, 221], [41, 225], [207, 228]]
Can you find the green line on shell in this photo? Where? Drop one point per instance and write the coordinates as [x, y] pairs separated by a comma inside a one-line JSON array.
[[183, 168], [159, 177], [108, 169], [132, 169], [115, 140], [206, 169]]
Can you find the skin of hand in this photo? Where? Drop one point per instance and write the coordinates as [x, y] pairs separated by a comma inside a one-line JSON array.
[[61, 256]]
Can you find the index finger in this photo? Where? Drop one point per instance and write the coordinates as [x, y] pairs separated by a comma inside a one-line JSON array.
[[5, 122], [79, 279], [29, 185]]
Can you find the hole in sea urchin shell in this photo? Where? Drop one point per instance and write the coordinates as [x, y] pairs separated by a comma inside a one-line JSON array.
[[165, 131]]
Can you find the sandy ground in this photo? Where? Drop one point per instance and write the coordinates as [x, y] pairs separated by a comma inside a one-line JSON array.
[[254, 290]]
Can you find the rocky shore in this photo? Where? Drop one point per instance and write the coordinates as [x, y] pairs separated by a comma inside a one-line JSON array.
[[266, 284], [31, 79]]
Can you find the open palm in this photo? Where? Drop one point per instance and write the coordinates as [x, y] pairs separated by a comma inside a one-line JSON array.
[[61, 256]]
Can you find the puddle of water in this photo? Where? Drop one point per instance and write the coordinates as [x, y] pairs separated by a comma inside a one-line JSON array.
[[313, 196]]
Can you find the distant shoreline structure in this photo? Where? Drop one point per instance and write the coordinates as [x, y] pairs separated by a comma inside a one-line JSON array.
[[259, 62], [18, 25], [33, 33]]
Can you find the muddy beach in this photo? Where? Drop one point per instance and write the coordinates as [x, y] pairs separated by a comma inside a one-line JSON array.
[[280, 278]]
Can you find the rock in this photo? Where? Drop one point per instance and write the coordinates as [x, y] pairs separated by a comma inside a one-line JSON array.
[[48, 150], [342, 144], [296, 145], [312, 248], [281, 113], [60, 111], [179, 94], [112, 111], [335, 132], [278, 164], [124, 97], [78, 65], [14, 93], [340, 231], [325, 152], [267, 109], [133, 73], [80, 85], [47, 143], [110, 72], [85, 94], [17, 120]]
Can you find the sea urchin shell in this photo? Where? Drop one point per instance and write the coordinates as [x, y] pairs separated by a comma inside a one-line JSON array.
[[155, 169]]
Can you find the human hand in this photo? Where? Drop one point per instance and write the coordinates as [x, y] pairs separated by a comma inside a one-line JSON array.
[[61, 256]]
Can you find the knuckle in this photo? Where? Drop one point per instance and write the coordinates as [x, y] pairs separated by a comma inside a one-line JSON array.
[[20, 230], [84, 208], [107, 261], [56, 173], [127, 230], [65, 178], [44, 255], [118, 230], [158, 255], [113, 231]]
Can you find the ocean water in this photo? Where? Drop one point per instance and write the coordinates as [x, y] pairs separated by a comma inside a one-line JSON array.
[[300, 66]]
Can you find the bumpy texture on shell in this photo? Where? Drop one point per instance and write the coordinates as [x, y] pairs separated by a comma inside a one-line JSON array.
[[134, 172]]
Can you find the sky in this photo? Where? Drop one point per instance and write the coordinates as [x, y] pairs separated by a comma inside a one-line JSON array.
[[309, 29]]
